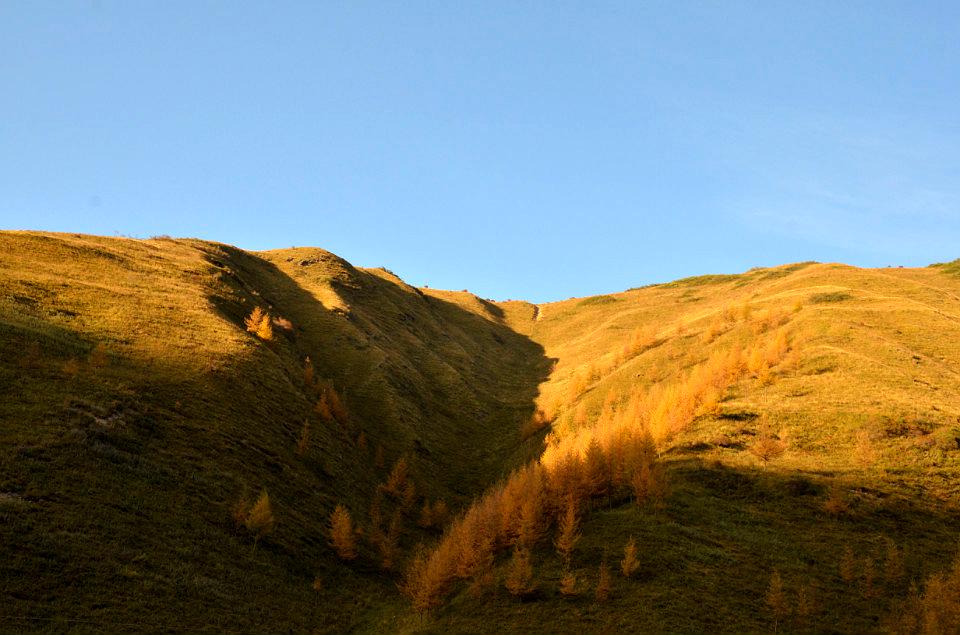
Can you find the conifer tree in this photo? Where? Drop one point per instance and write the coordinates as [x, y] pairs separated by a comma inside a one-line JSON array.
[[397, 480], [252, 322], [265, 330], [309, 375], [604, 582], [389, 544], [530, 527], [568, 531], [893, 569], [426, 515], [630, 562], [806, 605], [378, 457], [303, 442], [342, 537], [848, 565], [568, 584], [260, 519], [776, 599], [439, 513], [519, 579]]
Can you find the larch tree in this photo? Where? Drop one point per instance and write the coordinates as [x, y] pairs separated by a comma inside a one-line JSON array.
[[630, 562], [568, 531], [342, 537], [260, 520], [519, 579]]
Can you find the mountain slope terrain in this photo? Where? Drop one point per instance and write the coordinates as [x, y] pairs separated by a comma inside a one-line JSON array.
[[804, 422]]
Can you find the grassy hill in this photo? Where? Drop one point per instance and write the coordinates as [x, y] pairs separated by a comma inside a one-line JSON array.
[[137, 412]]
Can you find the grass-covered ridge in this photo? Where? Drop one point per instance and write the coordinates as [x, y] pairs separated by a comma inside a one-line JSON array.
[[800, 414]]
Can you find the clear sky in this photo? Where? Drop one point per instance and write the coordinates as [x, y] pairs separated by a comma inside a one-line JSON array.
[[534, 150]]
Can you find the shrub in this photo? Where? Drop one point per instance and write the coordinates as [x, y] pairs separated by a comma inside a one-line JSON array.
[[342, 537], [767, 447]]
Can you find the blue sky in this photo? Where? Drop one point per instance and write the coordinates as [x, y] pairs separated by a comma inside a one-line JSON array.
[[520, 150]]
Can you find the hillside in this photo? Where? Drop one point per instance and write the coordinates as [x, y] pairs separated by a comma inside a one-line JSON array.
[[137, 412]]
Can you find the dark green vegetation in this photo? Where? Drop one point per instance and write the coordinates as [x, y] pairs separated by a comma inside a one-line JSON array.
[[136, 411]]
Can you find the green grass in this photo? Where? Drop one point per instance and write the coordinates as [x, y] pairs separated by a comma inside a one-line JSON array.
[[835, 296], [116, 482], [597, 299], [699, 281], [952, 267]]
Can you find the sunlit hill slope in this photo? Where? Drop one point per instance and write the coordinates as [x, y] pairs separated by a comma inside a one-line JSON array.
[[798, 423]]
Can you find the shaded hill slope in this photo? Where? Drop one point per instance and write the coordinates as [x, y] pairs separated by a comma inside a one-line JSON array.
[[137, 411]]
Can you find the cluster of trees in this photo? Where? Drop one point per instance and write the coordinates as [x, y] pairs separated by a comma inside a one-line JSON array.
[[259, 323], [518, 514], [932, 609], [757, 358], [329, 405], [256, 518], [666, 410], [615, 457], [392, 510]]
